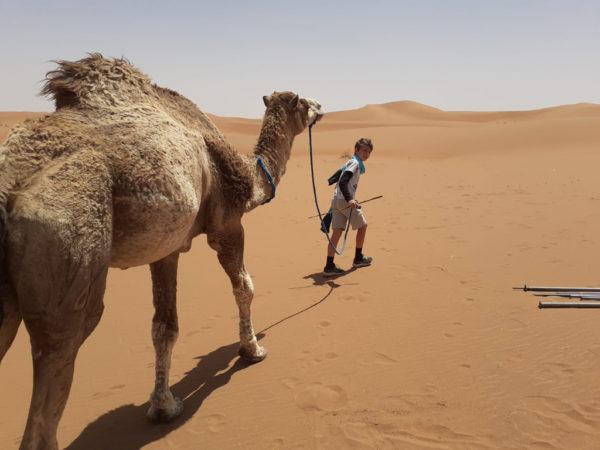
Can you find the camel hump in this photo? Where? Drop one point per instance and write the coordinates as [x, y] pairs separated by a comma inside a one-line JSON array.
[[96, 81]]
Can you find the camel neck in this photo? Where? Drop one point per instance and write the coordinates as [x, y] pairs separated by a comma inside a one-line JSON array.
[[274, 146]]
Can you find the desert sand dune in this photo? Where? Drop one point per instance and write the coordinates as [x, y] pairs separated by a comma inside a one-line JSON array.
[[429, 348]]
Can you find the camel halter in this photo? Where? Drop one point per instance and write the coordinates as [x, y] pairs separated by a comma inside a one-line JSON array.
[[312, 172], [269, 177]]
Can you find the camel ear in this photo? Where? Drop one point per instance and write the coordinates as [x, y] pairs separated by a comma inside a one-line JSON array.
[[294, 102], [266, 100]]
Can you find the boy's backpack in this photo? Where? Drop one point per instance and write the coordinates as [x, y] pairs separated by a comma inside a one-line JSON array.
[[326, 222]]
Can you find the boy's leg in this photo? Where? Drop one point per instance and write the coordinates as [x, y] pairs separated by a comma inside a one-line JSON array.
[[330, 268], [361, 260], [360, 236], [335, 238], [338, 224]]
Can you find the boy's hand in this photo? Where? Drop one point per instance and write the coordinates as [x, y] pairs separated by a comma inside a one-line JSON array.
[[353, 204]]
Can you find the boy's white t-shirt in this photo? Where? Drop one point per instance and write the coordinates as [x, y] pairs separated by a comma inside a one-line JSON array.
[[354, 167]]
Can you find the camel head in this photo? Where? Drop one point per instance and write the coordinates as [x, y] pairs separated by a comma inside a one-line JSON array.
[[300, 112]]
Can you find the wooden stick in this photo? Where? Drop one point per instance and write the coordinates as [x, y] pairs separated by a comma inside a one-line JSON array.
[[360, 203]]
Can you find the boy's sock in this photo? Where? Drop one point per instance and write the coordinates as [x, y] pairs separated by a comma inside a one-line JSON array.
[[358, 255], [329, 262]]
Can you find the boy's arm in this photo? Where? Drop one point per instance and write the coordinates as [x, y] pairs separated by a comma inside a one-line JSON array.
[[344, 185]]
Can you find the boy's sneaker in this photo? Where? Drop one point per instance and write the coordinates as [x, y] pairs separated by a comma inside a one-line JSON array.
[[332, 271], [363, 261]]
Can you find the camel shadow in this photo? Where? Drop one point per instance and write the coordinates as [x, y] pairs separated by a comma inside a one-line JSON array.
[[126, 427]]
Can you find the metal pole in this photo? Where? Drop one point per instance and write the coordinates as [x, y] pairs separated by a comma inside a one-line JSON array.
[[559, 289], [569, 305], [583, 295]]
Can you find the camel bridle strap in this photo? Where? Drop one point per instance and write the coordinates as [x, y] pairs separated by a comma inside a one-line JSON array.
[[312, 172], [269, 177]]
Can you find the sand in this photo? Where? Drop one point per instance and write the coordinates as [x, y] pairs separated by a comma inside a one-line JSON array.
[[429, 348]]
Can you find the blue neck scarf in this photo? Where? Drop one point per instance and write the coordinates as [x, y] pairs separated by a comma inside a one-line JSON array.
[[360, 164]]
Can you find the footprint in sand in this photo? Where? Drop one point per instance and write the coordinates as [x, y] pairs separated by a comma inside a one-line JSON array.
[[304, 358], [381, 358], [321, 358], [291, 382], [215, 422], [456, 324], [320, 397], [364, 296], [323, 325], [560, 368], [358, 435], [191, 333], [277, 443], [108, 393], [309, 359]]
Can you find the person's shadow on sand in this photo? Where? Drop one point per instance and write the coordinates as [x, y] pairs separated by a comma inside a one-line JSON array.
[[126, 427], [319, 279]]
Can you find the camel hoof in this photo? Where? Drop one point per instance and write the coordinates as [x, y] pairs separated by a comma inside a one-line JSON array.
[[253, 357], [157, 415]]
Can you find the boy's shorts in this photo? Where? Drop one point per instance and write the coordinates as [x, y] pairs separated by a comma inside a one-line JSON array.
[[340, 213]]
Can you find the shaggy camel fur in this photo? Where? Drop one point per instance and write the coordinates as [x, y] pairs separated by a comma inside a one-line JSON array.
[[123, 173]]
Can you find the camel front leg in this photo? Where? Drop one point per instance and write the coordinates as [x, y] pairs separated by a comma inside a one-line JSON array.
[[163, 406], [230, 250]]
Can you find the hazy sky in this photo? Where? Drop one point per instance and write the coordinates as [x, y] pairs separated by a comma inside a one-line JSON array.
[[225, 55]]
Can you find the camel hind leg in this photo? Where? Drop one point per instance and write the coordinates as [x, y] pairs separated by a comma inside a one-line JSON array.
[[60, 300], [55, 341], [163, 406]]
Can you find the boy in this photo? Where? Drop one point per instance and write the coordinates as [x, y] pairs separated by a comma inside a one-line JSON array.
[[343, 202]]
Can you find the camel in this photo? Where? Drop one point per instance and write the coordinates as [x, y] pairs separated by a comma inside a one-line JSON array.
[[123, 173]]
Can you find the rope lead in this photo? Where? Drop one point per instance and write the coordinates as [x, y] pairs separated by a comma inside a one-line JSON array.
[[312, 172]]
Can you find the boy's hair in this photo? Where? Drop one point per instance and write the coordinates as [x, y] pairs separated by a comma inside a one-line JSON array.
[[363, 142]]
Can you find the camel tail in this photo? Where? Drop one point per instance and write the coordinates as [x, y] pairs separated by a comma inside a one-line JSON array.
[[3, 277], [6, 292], [10, 316]]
